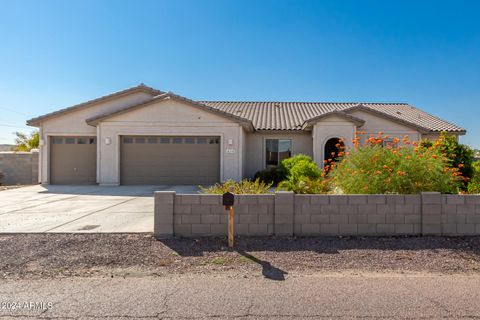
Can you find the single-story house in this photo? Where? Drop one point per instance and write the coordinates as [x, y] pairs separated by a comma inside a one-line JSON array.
[[142, 135]]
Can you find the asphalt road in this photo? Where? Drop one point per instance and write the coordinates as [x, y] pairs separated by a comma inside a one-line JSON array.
[[323, 296]]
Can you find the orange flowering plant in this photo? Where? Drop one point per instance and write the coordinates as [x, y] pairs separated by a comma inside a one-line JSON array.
[[395, 168]]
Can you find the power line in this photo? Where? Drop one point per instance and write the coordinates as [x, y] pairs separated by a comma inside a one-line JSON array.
[[15, 111], [14, 126]]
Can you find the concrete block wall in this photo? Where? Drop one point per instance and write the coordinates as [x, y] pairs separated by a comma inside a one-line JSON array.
[[19, 168], [357, 214], [460, 214], [196, 215], [287, 214]]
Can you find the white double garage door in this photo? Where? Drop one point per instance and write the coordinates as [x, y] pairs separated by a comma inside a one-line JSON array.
[[144, 160]]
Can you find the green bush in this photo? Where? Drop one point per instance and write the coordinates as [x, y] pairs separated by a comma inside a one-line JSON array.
[[243, 187], [306, 185], [302, 176], [474, 184], [304, 169], [273, 175], [457, 155], [373, 169], [287, 164]]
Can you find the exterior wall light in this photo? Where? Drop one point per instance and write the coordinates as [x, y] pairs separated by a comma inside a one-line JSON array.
[[108, 141]]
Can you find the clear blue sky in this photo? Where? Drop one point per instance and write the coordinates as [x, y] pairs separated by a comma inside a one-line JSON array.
[[55, 54]]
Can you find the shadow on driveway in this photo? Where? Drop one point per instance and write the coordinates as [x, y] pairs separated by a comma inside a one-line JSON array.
[[137, 191]]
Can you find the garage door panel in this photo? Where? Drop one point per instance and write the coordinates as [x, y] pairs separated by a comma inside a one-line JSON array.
[[73, 160], [191, 160]]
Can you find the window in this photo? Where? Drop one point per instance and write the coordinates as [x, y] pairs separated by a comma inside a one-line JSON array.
[[140, 140], [189, 140], [177, 140], [201, 140], [165, 140], [70, 140], [127, 140], [214, 140], [277, 150], [57, 140], [81, 141], [151, 140], [92, 141]]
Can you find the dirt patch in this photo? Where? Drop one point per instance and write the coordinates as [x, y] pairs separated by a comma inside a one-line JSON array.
[[63, 255]]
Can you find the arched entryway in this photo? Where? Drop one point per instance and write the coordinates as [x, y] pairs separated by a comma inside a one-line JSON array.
[[332, 147]]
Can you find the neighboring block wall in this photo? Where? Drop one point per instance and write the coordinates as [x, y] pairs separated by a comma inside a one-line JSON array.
[[19, 167], [287, 214]]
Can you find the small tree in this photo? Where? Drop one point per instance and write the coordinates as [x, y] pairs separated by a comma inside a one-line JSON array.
[[24, 142]]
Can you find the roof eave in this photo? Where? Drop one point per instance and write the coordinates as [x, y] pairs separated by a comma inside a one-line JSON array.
[[247, 124], [459, 132], [311, 122], [140, 88]]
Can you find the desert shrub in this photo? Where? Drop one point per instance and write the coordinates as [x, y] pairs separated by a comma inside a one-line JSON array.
[[304, 169], [457, 155], [287, 164], [302, 176], [474, 184], [245, 186], [373, 169], [272, 175], [306, 185]]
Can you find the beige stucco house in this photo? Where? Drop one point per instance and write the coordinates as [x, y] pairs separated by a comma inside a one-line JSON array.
[[145, 136]]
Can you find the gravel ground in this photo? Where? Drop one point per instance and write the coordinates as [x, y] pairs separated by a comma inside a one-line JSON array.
[[64, 255]]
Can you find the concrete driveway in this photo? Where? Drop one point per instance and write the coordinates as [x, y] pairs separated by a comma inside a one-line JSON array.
[[80, 208]]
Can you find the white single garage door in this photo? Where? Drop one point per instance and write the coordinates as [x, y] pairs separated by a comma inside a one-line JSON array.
[[73, 160], [151, 160]]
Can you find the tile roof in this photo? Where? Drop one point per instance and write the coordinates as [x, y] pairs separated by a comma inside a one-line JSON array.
[[274, 115]]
